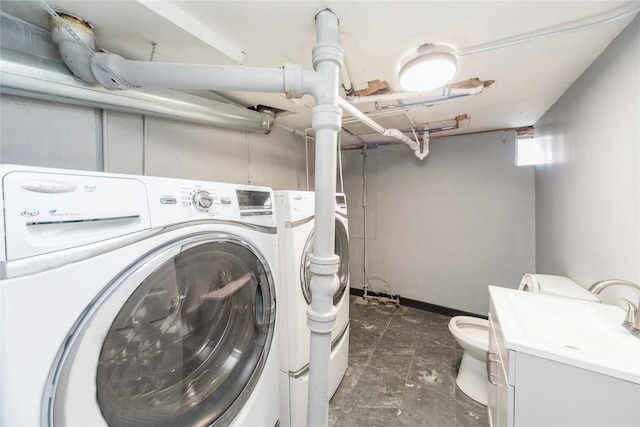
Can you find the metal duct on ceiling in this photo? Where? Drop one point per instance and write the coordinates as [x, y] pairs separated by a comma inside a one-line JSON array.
[[49, 79]]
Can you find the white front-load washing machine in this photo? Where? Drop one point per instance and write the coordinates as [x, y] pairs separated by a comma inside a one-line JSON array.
[[136, 301], [295, 214]]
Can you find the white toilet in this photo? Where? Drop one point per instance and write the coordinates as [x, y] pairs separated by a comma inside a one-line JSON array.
[[472, 333]]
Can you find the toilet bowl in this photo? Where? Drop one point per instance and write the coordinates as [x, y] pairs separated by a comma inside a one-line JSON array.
[[472, 334]]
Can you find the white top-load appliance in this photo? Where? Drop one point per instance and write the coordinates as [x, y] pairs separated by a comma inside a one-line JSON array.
[[295, 213], [136, 301]]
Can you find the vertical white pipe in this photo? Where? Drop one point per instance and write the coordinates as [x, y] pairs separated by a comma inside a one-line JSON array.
[[326, 121]]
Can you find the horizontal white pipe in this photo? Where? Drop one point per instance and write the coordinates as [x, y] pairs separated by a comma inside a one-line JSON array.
[[185, 76], [35, 77], [395, 133], [115, 72]]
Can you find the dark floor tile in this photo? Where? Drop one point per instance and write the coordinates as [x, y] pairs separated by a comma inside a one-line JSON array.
[[469, 412], [434, 373], [363, 337], [376, 389], [396, 364], [425, 407], [357, 364], [436, 335], [369, 417], [394, 341], [408, 321], [430, 351]]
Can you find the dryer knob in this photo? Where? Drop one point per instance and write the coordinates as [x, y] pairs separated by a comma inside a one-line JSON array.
[[201, 200]]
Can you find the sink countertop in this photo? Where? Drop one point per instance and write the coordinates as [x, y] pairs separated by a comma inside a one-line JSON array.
[[580, 333]]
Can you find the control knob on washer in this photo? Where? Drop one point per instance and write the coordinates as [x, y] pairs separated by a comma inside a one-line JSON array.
[[201, 200]]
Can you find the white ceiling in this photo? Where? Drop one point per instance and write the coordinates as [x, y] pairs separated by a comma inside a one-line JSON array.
[[375, 35]]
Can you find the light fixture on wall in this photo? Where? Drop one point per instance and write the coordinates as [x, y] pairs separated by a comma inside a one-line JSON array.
[[428, 69]]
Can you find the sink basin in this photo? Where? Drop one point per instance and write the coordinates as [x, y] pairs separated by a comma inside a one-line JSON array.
[[580, 333]]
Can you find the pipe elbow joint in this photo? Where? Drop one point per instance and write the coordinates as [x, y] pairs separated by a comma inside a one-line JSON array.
[[76, 53], [421, 154], [105, 68]]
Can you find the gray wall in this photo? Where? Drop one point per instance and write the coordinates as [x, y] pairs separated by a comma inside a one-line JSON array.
[[442, 229], [588, 195], [43, 133]]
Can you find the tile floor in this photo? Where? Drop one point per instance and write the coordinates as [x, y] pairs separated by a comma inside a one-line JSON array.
[[402, 368]]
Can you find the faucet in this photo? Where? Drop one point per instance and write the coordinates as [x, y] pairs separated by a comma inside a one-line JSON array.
[[632, 320]]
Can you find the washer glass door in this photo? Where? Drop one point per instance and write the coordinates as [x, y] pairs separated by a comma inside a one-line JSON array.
[[341, 249], [186, 345]]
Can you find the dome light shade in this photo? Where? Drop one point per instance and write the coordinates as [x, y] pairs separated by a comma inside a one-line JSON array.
[[428, 71]]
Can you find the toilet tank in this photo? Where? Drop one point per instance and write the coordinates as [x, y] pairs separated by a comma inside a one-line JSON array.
[[555, 285]]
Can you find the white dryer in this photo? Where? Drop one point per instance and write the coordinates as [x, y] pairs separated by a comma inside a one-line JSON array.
[[136, 301], [295, 213]]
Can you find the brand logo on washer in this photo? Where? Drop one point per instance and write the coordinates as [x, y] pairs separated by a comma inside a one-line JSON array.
[[29, 213], [54, 212]]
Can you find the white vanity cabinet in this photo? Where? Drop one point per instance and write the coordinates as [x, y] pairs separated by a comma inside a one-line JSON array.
[[501, 394], [531, 385]]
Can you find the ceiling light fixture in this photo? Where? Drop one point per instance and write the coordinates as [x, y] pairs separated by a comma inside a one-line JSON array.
[[428, 70]]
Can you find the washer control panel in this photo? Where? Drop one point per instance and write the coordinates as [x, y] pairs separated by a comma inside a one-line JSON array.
[[201, 200], [185, 200]]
